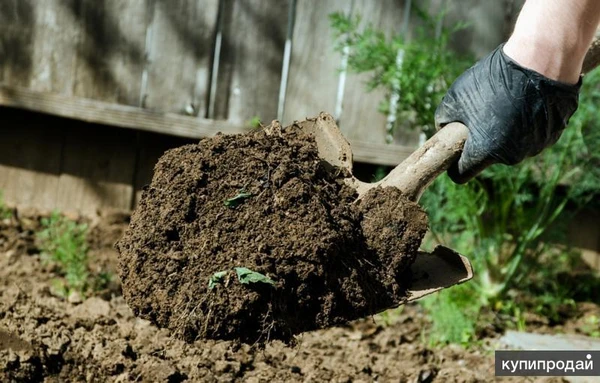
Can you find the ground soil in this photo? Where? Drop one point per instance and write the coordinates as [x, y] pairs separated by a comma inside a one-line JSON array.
[[46, 338], [330, 260]]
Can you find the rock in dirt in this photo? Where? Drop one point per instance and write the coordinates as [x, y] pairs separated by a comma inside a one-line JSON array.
[[253, 237]]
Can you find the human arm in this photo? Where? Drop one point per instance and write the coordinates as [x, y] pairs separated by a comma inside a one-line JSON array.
[[517, 100]]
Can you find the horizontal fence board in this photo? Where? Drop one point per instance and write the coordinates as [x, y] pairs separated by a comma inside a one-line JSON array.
[[382, 154], [166, 123], [115, 114], [254, 33]]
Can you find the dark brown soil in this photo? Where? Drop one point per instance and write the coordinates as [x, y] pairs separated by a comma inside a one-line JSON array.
[[330, 260], [44, 338]]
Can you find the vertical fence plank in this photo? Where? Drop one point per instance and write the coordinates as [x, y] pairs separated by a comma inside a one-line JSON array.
[[314, 65], [254, 33], [111, 50], [181, 37], [360, 119], [17, 27], [56, 37]]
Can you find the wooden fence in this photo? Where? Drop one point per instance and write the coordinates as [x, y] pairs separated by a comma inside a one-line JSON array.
[[185, 68]]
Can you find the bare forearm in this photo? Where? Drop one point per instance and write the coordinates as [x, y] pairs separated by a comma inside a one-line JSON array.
[[553, 36]]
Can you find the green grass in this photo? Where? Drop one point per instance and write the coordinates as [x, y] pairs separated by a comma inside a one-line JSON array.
[[63, 243]]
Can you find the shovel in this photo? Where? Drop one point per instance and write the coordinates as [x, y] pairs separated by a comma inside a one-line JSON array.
[[443, 267], [430, 272]]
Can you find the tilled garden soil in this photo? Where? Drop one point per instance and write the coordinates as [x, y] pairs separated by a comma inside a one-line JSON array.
[[263, 203], [46, 338]]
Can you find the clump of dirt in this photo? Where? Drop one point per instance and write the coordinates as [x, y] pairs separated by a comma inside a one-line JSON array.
[[266, 202]]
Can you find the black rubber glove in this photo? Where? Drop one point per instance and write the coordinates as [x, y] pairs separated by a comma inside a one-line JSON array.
[[512, 113]]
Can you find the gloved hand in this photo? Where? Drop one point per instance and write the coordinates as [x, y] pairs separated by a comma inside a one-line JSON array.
[[511, 112]]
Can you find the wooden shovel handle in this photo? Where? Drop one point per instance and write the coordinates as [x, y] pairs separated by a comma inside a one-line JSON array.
[[423, 166]]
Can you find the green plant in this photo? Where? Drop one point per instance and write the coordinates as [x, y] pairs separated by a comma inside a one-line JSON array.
[[255, 122], [63, 244], [591, 326], [237, 199], [509, 219], [5, 212], [246, 276], [216, 278], [453, 314], [418, 70], [390, 316]]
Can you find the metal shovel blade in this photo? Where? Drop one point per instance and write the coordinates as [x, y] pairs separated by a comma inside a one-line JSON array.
[[430, 272], [434, 271]]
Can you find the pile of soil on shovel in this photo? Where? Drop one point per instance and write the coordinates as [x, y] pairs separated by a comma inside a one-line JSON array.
[[263, 203]]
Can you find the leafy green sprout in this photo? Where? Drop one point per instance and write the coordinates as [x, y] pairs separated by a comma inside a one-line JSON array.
[[216, 278], [591, 326], [237, 199], [245, 276], [5, 211], [427, 70], [255, 122], [64, 243]]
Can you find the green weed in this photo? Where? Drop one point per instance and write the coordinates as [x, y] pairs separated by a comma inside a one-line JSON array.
[[389, 317], [428, 67], [244, 275], [255, 122], [215, 279], [63, 243], [5, 211], [453, 314], [591, 326], [508, 219], [238, 199]]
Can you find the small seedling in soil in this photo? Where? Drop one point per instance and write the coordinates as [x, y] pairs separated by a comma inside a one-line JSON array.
[[246, 276], [238, 199], [255, 122], [591, 326], [5, 212], [63, 244], [215, 279]]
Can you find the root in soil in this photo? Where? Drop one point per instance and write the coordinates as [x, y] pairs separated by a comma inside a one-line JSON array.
[[265, 203]]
